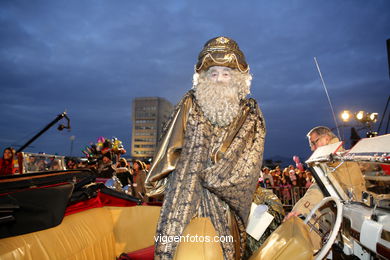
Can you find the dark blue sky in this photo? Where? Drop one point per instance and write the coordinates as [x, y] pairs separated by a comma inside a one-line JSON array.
[[91, 58]]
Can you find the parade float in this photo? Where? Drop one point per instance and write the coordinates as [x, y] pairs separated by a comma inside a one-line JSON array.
[[65, 214]]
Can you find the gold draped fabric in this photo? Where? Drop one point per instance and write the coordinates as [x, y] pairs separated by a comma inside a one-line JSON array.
[[207, 171], [169, 150]]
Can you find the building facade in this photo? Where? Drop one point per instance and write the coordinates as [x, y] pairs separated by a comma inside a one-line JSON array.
[[148, 117]]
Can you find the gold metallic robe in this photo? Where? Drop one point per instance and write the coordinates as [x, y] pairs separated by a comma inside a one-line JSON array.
[[207, 171]]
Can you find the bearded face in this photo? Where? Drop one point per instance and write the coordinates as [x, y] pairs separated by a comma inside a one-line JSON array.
[[219, 91]]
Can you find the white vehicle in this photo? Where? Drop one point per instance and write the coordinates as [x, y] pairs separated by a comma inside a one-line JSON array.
[[361, 229]]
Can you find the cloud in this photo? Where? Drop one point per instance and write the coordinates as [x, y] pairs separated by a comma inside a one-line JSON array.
[[93, 57]]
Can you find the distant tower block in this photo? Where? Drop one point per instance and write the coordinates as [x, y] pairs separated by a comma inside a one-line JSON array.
[[148, 117]]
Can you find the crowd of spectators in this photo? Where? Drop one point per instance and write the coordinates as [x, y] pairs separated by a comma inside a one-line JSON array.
[[288, 184], [131, 174]]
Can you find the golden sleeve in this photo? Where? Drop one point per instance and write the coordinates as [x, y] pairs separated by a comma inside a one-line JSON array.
[[168, 152]]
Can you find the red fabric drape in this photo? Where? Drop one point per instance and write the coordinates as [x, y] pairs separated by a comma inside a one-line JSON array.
[[99, 201]]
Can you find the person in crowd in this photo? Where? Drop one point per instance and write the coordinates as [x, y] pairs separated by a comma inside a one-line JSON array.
[[55, 165], [147, 166], [304, 175], [71, 164], [139, 177], [278, 172], [291, 173], [7, 162], [267, 176], [31, 164], [309, 179], [275, 178], [301, 180], [122, 163], [92, 165], [41, 165], [82, 164], [267, 184], [211, 153], [285, 189], [294, 183], [106, 169], [123, 173], [347, 174], [286, 175], [299, 184]]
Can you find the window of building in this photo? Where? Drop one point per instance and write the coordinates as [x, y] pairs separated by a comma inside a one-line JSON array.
[[144, 152], [141, 114], [144, 108], [144, 145], [144, 127], [145, 121], [144, 133], [144, 140]]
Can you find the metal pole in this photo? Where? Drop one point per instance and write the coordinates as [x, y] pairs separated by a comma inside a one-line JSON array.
[[58, 118], [326, 91], [383, 116]]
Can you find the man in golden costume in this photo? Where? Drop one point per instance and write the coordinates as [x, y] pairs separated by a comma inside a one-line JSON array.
[[209, 158]]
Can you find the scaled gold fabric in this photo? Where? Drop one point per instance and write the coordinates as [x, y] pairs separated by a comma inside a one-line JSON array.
[[214, 173]]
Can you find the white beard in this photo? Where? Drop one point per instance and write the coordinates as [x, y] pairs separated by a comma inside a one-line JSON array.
[[219, 101]]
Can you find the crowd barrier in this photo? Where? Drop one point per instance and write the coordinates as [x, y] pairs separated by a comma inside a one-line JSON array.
[[289, 195]]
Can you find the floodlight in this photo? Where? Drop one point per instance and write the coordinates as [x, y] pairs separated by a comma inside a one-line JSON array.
[[360, 115], [345, 115], [373, 117]]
